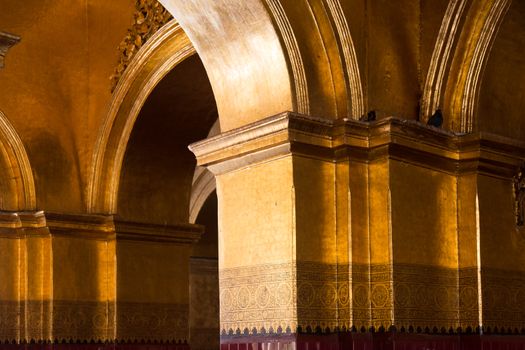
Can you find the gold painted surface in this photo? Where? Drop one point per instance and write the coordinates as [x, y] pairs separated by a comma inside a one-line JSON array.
[[17, 183], [148, 170], [258, 297], [475, 41], [406, 254], [503, 299], [153, 281], [404, 295], [359, 214], [10, 324], [7, 40], [12, 272], [39, 284], [83, 277], [500, 99], [27, 286], [423, 215], [78, 319], [265, 208], [393, 49], [380, 234], [263, 86], [57, 79], [393, 229], [501, 241], [314, 206], [427, 296], [160, 269], [153, 321], [13, 266], [167, 48], [82, 269]]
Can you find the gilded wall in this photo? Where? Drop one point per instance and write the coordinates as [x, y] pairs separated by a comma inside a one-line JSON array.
[[339, 208]]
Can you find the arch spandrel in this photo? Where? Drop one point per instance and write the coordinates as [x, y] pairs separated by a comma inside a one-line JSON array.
[[501, 95], [475, 41]]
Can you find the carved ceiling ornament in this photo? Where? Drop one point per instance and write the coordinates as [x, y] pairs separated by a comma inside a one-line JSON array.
[[519, 196], [149, 16], [6, 41]]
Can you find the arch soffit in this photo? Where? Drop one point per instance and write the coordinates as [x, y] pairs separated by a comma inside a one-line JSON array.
[[458, 96], [203, 183], [264, 57], [249, 46], [161, 53], [19, 186]]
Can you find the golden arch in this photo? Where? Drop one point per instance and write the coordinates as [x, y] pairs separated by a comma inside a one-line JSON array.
[[162, 52], [461, 92], [264, 57], [16, 183]]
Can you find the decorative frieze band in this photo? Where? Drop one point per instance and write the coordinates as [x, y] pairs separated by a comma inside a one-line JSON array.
[[314, 297], [92, 321], [152, 321]]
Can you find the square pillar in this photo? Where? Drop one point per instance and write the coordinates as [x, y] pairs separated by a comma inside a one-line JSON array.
[[330, 228]]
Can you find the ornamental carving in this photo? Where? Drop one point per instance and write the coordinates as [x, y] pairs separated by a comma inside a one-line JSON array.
[[519, 196], [149, 16], [6, 41]]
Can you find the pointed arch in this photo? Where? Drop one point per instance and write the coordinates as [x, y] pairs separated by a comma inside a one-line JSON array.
[[162, 52], [17, 186], [475, 43], [203, 183], [441, 58]]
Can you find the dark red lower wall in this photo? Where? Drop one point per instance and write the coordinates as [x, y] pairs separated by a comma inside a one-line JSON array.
[[94, 346], [340, 341], [375, 341]]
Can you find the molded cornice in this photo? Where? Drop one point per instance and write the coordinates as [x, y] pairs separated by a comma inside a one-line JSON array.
[[179, 233], [98, 227], [339, 140]]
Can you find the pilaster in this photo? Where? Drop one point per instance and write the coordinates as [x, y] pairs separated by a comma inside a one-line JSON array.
[[84, 275], [25, 270]]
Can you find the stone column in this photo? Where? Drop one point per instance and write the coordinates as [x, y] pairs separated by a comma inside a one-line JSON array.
[[278, 225], [345, 232]]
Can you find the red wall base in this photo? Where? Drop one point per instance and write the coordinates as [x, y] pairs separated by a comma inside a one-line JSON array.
[[95, 346], [340, 341], [374, 341]]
